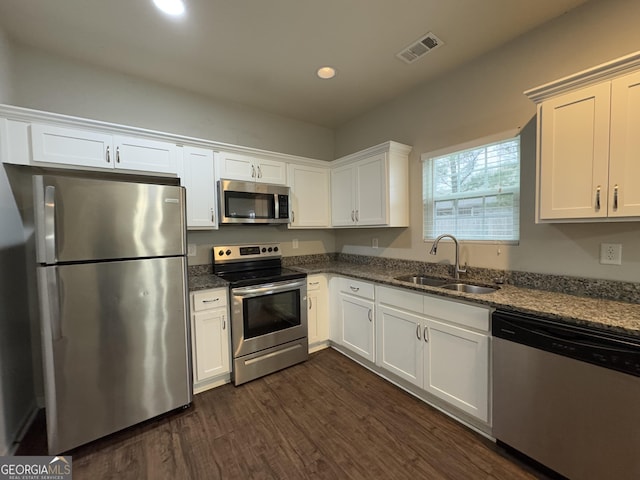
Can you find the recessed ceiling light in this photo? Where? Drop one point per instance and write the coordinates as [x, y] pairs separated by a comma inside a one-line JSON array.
[[170, 7], [326, 72]]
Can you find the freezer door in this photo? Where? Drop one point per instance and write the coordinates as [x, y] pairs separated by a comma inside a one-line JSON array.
[[79, 219], [115, 346]]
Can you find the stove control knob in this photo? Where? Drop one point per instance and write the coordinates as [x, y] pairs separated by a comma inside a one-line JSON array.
[[270, 249], [264, 249], [220, 253], [275, 249], [228, 252]]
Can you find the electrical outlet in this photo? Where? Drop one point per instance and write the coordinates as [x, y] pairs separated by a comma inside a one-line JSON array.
[[374, 242], [611, 253], [191, 249], [295, 243]]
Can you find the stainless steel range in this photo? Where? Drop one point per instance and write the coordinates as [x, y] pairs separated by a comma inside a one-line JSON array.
[[268, 309]]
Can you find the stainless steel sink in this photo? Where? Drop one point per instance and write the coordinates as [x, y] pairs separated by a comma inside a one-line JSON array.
[[422, 280], [466, 288]]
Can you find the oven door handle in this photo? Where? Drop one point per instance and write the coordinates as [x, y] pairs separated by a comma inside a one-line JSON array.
[[268, 288]]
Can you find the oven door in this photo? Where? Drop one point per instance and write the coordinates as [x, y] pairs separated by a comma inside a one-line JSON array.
[[266, 315]]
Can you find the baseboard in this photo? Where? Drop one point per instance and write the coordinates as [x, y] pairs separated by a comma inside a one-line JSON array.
[[22, 431]]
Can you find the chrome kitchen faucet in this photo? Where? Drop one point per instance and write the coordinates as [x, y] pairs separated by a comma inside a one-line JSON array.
[[434, 250]]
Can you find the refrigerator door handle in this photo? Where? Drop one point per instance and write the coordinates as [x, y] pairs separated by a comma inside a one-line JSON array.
[[53, 286], [50, 224]]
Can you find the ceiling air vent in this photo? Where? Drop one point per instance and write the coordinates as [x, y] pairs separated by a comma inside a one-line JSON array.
[[419, 48]]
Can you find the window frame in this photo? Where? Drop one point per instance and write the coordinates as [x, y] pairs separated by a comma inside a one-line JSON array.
[[426, 159]]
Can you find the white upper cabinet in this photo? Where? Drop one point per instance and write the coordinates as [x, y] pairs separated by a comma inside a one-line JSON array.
[[587, 168], [94, 149], [310, 203], [239, 166], [144, 155], [371, 188], [69, 146], [197, 176], [624, 168]]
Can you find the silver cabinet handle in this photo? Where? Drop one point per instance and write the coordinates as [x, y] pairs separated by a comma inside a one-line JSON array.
[[253, 171], [293, 216], [213, 216], [615, 197], [598, 198], [212, 300], [357, 214], [353, 215], [259, 172], [369, 314], [314, 283], [108, 156], [117, 154], [224, 322], [355, 289], [418, 332], [310, 303], [425, 334]]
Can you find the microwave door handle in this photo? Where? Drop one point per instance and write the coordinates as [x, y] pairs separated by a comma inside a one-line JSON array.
[[276, 209]]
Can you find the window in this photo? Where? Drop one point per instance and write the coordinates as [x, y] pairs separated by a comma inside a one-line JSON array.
[[474, 193]]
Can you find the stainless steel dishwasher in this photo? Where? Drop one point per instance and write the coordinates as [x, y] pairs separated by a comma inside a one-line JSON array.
[[567, 396]]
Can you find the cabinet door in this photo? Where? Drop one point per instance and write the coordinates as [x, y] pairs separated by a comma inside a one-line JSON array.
[[371, 191], [456, 367], [145, 155], [574, 154], [624, 166], [357, 325], [235, 166], [310, 197], [342, 196], [270, 171], [211, 342], [318, 313], [199, 182], [69, 146], [399, 347]]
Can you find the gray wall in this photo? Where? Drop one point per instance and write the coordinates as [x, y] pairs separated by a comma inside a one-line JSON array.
[[485, 97], [55, 84], [16, 379]]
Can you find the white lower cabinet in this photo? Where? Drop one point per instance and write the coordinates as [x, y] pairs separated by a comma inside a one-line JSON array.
[[456, 367], [317, 312], [356, 323], [210, 338], [439, 345]]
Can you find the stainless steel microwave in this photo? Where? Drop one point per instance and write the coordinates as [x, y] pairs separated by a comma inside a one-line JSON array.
[[250, 202]]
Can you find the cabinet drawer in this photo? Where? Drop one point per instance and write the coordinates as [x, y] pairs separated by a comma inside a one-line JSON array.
[[456, 312], [357, 287], [399, 298], [316, 282], [208, 299]]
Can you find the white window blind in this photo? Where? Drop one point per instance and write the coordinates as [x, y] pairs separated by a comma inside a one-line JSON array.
[[474, 193]]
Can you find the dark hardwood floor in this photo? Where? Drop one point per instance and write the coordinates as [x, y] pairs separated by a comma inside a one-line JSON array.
[[326, 418]]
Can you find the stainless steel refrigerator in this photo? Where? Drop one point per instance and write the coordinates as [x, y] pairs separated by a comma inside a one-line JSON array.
[[113, 304]]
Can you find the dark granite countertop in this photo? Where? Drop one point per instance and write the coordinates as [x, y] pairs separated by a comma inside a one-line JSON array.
[[205, 281], [613, 315]]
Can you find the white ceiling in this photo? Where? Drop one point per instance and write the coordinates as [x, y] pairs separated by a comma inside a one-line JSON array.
[[264, 53]]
